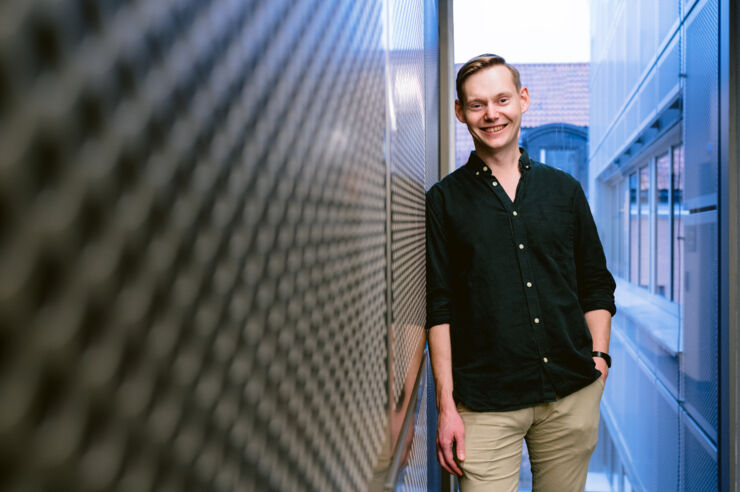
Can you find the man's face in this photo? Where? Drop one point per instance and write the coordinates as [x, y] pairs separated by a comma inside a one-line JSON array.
[[492, 109]]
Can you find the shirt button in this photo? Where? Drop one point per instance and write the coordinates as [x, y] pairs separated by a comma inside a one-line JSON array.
[[485, 168], [536, 321], [515, 214], [544, 359], [529, 284], [477, 173], [521, 246], [494, 183]]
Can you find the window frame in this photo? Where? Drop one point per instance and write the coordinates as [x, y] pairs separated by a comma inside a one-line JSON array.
[[648, 157]]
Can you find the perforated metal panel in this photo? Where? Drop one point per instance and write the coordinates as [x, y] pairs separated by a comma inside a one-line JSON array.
[[701, 107], [407, 166], [699, 459], [699, 365], [193, 242]]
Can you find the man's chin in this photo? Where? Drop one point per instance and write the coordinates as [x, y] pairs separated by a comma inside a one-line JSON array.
[[492, 145]]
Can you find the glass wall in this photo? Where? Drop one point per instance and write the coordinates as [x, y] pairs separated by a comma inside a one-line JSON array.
[[654, 140]]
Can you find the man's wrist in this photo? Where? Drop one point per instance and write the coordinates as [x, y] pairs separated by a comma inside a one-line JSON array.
[[603, 355], [446, 404]]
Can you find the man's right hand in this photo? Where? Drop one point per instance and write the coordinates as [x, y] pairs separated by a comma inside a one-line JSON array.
[[450, 432]]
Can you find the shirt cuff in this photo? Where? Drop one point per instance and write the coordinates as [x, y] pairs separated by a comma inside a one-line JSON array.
[[437, 317], [594, 304]]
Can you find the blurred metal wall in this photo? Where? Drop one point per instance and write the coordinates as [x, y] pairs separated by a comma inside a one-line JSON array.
[[211, 242]]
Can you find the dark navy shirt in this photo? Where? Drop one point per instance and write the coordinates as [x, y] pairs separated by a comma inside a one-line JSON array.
[[514, 280]]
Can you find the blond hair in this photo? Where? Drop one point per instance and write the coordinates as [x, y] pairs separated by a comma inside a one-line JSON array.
[[479, 63]]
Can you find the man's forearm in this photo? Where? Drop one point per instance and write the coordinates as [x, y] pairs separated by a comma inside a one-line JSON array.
[[440, 351], [599, 324]]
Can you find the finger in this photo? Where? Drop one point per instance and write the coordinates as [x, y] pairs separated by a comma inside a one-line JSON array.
[[461, 448], [450, 458], [442, 462]]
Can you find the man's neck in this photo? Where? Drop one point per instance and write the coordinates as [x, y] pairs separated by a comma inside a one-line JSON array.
[[505, 160]]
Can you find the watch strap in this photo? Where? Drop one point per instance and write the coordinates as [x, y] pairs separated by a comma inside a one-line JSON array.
[[604, 356]]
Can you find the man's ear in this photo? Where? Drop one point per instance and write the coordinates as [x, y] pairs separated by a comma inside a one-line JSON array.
[[459, 111], [524, 99]]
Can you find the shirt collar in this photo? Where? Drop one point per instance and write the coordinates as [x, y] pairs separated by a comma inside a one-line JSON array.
[[476, 164]]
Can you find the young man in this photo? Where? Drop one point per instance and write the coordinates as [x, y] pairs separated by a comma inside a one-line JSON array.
[[519, 302]]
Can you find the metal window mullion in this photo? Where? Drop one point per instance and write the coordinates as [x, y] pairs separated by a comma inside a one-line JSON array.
[[652, 223], [671, 227], [626, 225]]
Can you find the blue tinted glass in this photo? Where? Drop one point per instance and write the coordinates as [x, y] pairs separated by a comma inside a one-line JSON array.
[[644, 251], [663, 226], [678, 232], [634, 234]]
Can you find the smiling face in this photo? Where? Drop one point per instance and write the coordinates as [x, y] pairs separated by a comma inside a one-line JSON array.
[[492, 109]]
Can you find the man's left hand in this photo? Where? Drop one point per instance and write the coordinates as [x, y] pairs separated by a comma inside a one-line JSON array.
[[601, 366]]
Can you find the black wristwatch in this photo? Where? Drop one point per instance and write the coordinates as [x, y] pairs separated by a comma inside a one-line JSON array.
[[604, 356]]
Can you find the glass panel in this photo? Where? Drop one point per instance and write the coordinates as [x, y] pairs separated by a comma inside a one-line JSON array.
[[663, 226], [644, 251], [633, 232], [678, 223], [622, 206]]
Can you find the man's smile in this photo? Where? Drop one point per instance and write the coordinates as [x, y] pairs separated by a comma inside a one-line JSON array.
[[494, 129]]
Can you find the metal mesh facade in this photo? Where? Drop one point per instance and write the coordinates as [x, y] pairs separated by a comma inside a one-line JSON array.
[[656, 68], [407, 151], [193, 241], [699, 366]]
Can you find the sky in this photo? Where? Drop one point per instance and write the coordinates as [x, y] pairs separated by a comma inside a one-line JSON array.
[[529, 31]]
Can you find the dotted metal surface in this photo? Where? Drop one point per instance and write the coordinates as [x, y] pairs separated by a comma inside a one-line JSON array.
[[192, 241], [407, 166], [698, 459], [700, 330]]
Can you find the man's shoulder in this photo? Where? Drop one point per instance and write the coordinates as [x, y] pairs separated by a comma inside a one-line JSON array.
[[554, 175], [450, 183]]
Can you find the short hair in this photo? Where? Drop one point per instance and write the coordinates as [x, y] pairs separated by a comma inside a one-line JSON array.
[[479, 63]]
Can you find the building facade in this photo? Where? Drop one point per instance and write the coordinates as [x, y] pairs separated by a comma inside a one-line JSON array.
[[654, 165]]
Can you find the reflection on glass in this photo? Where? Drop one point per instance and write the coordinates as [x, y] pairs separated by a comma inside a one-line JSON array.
[[678, 211], [633, 228], [663, 226], [644, 250], [623, 230]]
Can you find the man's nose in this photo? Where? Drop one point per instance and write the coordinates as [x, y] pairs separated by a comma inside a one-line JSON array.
[[491, 111]]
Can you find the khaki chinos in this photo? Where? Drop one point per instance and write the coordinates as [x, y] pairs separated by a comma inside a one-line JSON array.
[[561, 436]]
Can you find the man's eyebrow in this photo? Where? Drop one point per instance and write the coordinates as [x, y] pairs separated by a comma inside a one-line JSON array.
[[497, 96]]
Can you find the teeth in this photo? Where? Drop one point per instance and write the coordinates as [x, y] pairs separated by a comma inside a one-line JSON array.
[[494, 129]]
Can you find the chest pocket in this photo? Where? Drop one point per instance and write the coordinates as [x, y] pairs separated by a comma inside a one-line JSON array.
[[551, 230]]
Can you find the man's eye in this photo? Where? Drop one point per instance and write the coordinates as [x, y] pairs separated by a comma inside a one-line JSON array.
[[475, 106], [503, 101]]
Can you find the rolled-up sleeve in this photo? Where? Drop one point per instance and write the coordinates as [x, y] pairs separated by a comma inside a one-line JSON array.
[[595, 284], [438, 289]]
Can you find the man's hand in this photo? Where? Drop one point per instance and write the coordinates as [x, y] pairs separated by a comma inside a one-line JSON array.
[[450, 431], [601, 366]]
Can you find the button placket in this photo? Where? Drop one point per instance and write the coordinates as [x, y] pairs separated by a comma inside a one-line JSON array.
[[520, 240]]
